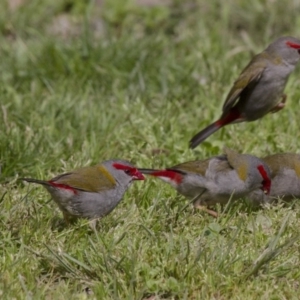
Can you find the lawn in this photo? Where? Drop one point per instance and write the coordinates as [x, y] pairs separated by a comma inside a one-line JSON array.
[[84, 82]]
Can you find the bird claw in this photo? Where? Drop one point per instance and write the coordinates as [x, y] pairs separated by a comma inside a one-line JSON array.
[[207, 210], [279, 106], [69, 220], [93, 224]]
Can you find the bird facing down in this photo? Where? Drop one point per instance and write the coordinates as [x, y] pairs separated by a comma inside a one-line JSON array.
[[91, 192], [217, 179], [259, 88], [285, 174]]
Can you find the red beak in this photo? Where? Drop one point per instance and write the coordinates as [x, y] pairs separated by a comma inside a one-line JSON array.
[[136, 175], [293, 45], [266, 191], [266, 183]]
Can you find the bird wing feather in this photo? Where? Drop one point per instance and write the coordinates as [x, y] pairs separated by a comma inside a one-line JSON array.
[[90, 179], [280, 161], [200, 166], [250, 75], [197, 167]]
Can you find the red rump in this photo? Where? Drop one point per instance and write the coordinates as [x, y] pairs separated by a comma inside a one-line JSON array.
[[231, 116], [293, 45], [266, 181], [173, 175], [63, 186]]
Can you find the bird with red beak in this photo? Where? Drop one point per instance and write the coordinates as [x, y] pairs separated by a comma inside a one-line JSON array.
[[217, 179], [91, 192], [285, 174]]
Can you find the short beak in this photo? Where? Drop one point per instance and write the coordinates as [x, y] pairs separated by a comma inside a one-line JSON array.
[[266, 190], [138, 176], [293, 45]]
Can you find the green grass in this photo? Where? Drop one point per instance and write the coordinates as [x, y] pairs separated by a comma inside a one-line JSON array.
[[136, 82]]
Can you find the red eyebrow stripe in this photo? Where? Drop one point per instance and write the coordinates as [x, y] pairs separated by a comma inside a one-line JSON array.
[[293, 45], [122, 167], [63, 186]]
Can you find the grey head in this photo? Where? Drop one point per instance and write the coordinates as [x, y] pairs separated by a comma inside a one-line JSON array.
[[122, 171], [286, 48]]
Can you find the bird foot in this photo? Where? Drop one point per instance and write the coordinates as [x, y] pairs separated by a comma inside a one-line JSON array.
[[279, 106], [93, 224], [207, 210], [69, 220]]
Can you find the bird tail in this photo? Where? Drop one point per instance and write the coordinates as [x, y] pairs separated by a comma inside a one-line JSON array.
[[231, 116], [42, 182], [204, 134]]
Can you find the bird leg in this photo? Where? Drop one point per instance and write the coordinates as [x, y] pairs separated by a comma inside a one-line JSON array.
[[93, 224], [69, 220], [280, 105], [207, 210], [197, 204]]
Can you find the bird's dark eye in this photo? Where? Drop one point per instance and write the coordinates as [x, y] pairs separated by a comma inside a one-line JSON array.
[[298, 51], [127, 171]]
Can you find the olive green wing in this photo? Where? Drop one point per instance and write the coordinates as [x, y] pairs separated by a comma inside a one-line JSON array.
[[277, 162], [90, 179], [200, 166], [237, 162], [250, 75], [197, 166]]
